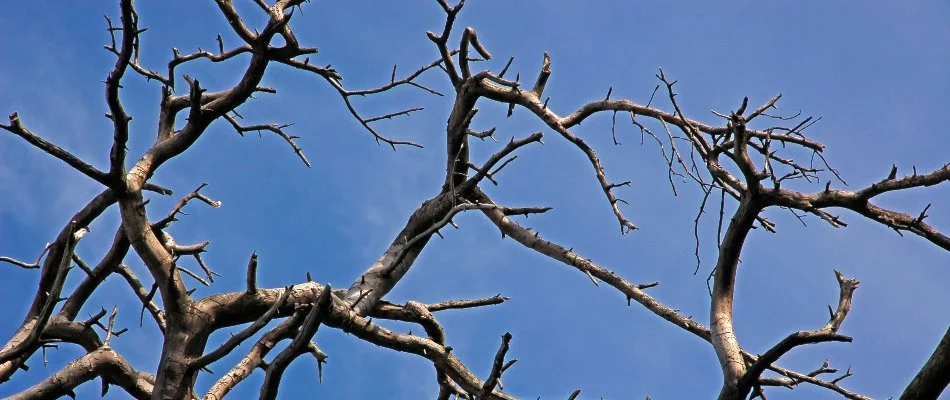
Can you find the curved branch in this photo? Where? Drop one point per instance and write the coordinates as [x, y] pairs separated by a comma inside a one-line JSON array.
[[103, 362], [298, 346], [51, 270], [344, 318], [534, 241], [722, 332], [33, 327], [235, 340], [828, 333]]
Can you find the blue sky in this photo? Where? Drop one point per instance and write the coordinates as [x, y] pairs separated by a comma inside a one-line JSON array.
[[874, 71]]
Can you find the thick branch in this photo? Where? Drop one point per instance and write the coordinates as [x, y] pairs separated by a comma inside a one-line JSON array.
[[235, 340], [723, 336], [934, 376], [441, 41], [469, 37], [252, 274], [236, 308], [376, 281], [50, 272]]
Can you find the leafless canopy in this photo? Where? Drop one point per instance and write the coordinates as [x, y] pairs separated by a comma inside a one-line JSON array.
[[743, 164]]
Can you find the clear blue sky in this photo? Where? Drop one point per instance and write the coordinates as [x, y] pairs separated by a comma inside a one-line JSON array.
[[876, 72]]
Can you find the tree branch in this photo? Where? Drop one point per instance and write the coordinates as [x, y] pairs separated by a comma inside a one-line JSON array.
[[299, 344], [145, 296], [16, 127], [235, 340], [255, 357], [858, 201], [496, 369], [36, 320], [934, 376], [117, 114], [826, 334], [103, 362]]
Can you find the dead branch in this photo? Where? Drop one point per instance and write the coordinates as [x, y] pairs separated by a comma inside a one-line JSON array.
[[16, 127], [145, 296], [172, 215], [735, 158], [31, 329], [273, 128], [934, 376], [347, 320], [858, 201], [235, 340], [826, 334], [104, 362], [496, 369], [25, 265], [252, 274], [298, 346], [255, 357]]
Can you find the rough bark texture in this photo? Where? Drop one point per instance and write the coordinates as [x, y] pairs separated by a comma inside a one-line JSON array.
[[715, 154]]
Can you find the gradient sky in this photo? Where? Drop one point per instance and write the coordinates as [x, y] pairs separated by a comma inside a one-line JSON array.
[[876, 72]]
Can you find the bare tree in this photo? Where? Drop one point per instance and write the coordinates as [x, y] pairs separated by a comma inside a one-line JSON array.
[[734, 163]]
